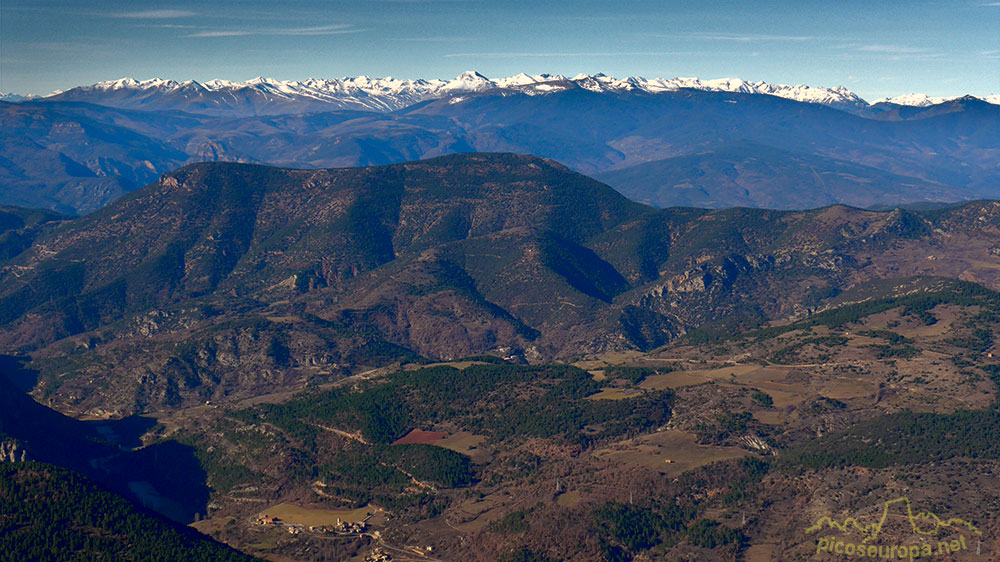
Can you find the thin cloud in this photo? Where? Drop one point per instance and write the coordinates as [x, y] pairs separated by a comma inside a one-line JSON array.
[[167, 26], [336, 29], [441, 39], [545, 55], [892, 49], [735, 37], [889, 52], [155, 14]]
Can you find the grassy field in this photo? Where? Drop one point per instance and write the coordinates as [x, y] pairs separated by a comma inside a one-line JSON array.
[[296, 515]]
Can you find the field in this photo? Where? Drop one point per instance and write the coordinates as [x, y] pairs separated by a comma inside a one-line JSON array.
[[475, 514], [600, 361], [678, 447], [296, 515], [569, 499], [460, 365], [463, 442], [676, 379], [615, 394], [420, 437]]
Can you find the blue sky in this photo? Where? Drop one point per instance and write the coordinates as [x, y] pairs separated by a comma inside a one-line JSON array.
[[876, 49]]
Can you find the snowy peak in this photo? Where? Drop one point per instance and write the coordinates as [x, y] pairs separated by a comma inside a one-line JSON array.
[[914, 100], [838, 96], [923, 100], [469, 82], [12, 97], [133, 84]]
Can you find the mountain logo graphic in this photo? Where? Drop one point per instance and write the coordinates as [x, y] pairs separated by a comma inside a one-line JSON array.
[[922, 523]]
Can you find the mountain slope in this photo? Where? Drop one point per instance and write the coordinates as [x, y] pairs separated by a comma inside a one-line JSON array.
[[378, 253], [227, 280], [70, 162], [746, 174]]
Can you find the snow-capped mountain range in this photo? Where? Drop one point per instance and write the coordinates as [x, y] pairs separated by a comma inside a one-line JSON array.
[[270, 96], [923, 100]]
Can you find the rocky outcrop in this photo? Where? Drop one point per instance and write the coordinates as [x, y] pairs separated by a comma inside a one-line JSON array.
[[11, 450]]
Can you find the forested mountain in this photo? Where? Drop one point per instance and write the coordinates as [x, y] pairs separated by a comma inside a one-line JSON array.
[[233, 279]]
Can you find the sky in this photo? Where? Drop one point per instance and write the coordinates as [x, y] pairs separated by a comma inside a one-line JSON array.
[[877, 49]]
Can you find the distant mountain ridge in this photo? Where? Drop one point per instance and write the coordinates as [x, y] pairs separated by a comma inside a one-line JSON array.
[[75, 156], [75, 151], [268, 96], [923, 100]]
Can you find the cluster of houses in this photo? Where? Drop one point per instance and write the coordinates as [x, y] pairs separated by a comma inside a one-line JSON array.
[[378, 555], [348, 526], [267, 520], [342, 527]]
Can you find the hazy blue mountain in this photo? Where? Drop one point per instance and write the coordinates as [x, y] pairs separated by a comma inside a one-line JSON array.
[[747, 174], [75, 157]]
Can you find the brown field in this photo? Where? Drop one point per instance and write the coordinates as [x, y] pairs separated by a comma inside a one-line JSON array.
[[290, 513], [475, 514], [769, 373], [679, 447], [456, 364], [615, 394], [760, 553], [771, 379], [771, 417], [465, 443], [211, 525], [946, 316], [605, 359], [420, 437], [785, 395], [846, 389], [725, 373], [676, 379], [569, 499]]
